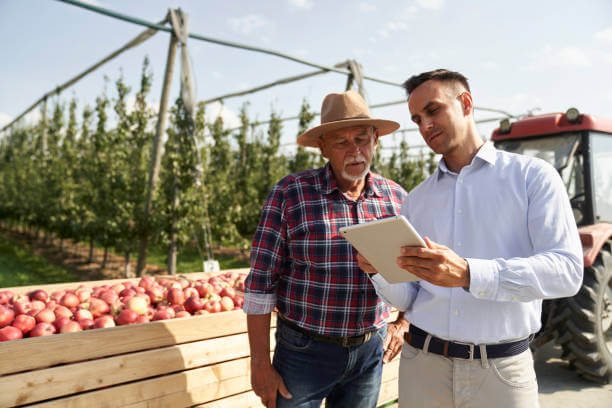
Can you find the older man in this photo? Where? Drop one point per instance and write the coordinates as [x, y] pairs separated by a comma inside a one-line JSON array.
[[330, 336]]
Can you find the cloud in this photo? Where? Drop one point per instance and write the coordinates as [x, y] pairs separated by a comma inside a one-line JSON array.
[[247, 24], [366, 7], [431, 4], [552, 58], [303, 4], [216, 109], [489, 65], [392, 27], [604, 35]]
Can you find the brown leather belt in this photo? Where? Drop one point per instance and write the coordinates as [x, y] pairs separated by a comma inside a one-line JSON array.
[[416, 338], [352, 341]]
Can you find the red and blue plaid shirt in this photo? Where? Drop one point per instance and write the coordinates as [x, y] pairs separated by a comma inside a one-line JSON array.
[[300, 263]]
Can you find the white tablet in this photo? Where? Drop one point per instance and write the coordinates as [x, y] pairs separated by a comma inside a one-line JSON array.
[[380, 242]]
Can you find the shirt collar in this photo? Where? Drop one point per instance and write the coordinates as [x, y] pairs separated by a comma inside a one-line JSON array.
[[329, 183], [486, 154]]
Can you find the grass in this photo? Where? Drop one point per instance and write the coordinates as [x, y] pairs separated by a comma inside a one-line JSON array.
[[189, 260], [19, 267]]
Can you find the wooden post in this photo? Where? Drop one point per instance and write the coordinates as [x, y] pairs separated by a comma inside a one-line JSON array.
[[157, 151]]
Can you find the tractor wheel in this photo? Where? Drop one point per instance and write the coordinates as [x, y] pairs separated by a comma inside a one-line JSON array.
[[583, 325]]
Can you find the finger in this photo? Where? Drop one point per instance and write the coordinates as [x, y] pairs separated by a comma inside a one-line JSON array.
[[282, 389]]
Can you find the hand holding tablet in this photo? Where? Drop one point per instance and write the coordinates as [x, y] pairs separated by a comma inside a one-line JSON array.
[[380, 242]]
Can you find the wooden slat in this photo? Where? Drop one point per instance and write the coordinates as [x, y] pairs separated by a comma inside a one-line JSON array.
[[39, 385], [388, 392], [40, 352], [244, 400], [189, 388], [391, 370]]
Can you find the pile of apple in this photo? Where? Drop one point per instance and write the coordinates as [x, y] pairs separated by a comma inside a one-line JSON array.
[[39, 313]]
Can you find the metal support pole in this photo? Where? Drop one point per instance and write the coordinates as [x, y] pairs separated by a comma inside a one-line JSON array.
[[157, 151]]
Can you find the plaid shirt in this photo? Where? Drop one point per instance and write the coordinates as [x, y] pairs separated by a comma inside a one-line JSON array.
[[302, 266]]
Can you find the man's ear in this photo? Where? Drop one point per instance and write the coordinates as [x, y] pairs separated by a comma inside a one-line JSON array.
[[467, 103], [321, 144]]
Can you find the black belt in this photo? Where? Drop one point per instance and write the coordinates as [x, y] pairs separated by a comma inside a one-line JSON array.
[[416, 338], [352, 341]]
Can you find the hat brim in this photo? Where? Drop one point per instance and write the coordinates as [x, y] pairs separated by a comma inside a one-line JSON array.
[[310, 137]]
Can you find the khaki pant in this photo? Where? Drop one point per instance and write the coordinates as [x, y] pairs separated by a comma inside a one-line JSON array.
[[430, 380]]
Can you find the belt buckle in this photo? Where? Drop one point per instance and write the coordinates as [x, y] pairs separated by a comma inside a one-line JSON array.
[[471, 352]]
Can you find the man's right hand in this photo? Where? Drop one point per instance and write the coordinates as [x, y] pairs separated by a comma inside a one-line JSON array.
[[365, 265], [266, 382]]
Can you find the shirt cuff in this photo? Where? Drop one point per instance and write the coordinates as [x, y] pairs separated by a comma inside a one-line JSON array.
[[259, 303], [484, 278]]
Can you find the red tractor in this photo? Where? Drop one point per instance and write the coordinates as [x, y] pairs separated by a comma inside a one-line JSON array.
[[579, 146]]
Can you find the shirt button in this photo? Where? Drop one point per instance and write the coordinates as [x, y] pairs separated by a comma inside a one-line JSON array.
[[514, 298], [456, 313], [458, 244], [481, 293], [459, 211]]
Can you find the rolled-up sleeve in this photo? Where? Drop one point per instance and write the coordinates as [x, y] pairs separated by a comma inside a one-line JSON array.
[[398, 295], [267, 256]]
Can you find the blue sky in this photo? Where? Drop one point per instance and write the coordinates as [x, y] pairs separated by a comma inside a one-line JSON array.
[[519, 55]]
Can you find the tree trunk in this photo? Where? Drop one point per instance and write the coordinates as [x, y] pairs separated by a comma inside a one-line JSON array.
[[128, 266], [91, 248], [105, 257]]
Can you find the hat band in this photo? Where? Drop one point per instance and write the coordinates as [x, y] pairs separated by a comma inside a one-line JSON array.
[[345, 119]]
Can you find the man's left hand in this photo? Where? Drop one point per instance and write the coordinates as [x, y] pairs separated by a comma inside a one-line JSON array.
[[394, 339], [436, 264]]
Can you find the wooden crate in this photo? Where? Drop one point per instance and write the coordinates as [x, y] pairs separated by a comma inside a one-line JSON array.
[[195, 361]]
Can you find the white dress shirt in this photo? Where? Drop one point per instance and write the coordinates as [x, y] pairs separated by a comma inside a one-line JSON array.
[[509, 216]]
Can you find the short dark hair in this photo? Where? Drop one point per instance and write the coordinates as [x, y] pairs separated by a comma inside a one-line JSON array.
[[439, 75]]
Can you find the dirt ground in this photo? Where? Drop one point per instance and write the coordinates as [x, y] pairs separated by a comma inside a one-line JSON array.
[[561, 387]]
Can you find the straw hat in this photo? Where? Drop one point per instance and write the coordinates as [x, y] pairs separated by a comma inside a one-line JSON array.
[[344, 110]]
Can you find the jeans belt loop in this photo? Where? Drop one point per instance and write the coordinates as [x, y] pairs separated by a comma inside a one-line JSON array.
[[426, 344]]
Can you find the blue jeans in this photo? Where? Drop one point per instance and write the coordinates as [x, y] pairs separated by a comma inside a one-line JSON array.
[[313, 370]]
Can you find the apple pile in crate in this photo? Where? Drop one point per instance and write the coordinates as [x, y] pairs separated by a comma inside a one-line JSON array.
[[41, 314]]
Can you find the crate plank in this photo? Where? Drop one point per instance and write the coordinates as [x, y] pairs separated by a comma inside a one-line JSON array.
[[192, 386], [388, 391], [27, 354], [63, 380], [244, 400]]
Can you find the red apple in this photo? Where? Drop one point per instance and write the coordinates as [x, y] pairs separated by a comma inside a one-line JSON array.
[[230, 292], [163, 315], [57, 295], [45, 316], [24, 322], [190, 291], [182, 313], [140, 290], [83, 314], [203, 289], [10, 333], [70, 300], [98, 307], [62, 311], [7, 315], [86, 324], [22, 306], [117, 287], [156, 294], [227, 303], [83, 293], [43, 329], [70, 327], [60, 322], [146, 282], [142, 319], [39, 294], [104, 321], [109, 296], [6, 296], [193, 304], [212, 306], [238, 301], [126, 316], [127, 292], [176, 296]]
